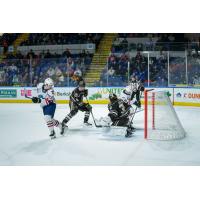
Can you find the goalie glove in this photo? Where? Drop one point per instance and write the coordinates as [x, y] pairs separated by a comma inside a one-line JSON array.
[[36, 100], [85, 93]]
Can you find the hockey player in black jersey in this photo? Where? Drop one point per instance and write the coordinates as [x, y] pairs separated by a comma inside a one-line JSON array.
[[76, 103], [119, 112]]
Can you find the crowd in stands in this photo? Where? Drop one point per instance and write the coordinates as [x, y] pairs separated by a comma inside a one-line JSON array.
[[7, 39], [62, 38], [116, 73], [161, 42], [30, 69]]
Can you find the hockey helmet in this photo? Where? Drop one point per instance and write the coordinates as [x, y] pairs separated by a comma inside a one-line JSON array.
[[81, 84], [77, 73], [133, 78], [48, 82]]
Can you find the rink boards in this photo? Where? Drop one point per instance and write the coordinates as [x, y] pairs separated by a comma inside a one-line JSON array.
[[98, 95]]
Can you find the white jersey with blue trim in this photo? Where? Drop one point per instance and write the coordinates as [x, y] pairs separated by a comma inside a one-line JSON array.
[[46, 96]]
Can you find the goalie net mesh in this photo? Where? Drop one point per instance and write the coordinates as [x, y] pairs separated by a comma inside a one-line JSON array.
[[161, 120]]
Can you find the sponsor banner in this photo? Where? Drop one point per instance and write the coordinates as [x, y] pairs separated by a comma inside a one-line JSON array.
[[8, 93], [100, 94], [187, 95]]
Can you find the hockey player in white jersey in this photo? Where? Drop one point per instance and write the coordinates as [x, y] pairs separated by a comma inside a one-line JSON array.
[[133, 91], [47, 102]]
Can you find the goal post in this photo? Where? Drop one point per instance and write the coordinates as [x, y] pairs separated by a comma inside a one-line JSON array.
[[160, 119]]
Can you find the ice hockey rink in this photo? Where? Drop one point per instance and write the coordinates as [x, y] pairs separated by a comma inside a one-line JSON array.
[[24, 140]]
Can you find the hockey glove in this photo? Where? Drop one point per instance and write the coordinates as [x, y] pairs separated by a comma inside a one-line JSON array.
[[88, 106], [142, 88], [80, 104], [36, 100]]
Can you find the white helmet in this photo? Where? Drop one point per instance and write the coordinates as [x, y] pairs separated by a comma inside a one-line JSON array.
[[77, 73], [48, 82]]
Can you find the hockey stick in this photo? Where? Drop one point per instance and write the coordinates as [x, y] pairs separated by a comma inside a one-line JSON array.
[[26, 95], [98, 126]]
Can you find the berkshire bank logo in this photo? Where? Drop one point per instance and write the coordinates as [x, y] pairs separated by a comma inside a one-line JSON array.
[[178, 95]]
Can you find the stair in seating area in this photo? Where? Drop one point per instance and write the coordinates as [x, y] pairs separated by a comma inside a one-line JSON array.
[[99, 59], [21, 38]]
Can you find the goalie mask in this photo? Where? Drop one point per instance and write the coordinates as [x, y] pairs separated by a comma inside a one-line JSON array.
[[112, 97]]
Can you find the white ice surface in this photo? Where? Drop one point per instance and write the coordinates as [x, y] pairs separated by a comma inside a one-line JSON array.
[[24, 140]]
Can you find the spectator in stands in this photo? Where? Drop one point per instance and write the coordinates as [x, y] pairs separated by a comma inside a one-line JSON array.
[[70, 63], [25, 78], [124, 44], [15, 79], [2, 77], [12, 68], [59, 76], [150, 44], [30, 54], [83, 54], [51, 72], [67, 53], [35, 81], [19, 55], [196, 80], [111, 72], [42, 55], [48, 54], [87, 60], [139, 57], [5, 46]]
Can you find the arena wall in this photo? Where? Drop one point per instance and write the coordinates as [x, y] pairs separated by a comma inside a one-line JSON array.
[[98, 95]]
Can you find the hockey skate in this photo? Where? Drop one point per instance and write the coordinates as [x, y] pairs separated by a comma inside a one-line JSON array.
[[129, 131], [52, 134], [87, 123], [63, 129], [137, 104]]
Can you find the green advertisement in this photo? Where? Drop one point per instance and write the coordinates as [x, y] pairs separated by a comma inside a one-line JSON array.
[[8, 93]]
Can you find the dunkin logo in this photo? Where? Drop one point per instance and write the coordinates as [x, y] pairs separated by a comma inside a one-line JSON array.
[[193, 96]]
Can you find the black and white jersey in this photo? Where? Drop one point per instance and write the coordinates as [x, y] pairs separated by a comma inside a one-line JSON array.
[[77, 95], [119, 110], [133, 87]]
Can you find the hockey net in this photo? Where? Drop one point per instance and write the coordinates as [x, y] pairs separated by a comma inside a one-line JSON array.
[[160, 119]]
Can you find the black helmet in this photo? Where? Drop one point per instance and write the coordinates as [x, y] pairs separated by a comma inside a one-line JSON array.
[[81, 84], [112, 97], [133, 78]]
